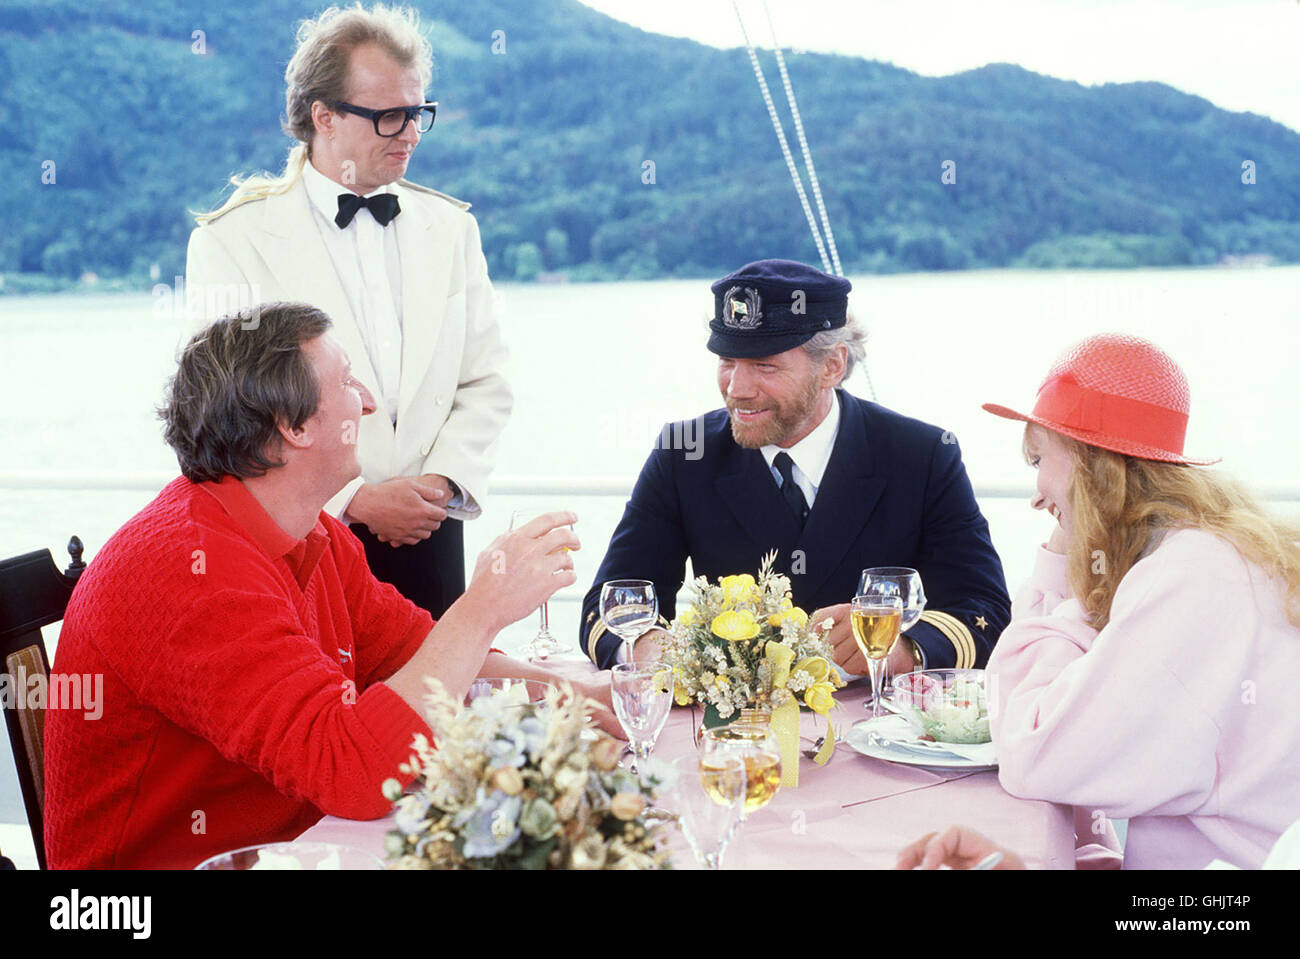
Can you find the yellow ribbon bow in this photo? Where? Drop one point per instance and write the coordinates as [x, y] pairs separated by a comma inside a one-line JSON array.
[[819, 697]]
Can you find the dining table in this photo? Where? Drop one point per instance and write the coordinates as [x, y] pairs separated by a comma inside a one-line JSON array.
[[854, 812]]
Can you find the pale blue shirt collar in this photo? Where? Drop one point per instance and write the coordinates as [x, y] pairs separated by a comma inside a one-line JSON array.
[[812, 453], [324, 192]]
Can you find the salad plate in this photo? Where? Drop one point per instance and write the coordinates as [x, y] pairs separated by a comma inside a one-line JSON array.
[[896, 741]]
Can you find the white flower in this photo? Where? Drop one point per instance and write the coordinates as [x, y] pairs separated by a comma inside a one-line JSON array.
[[566, 776], [800, 681]]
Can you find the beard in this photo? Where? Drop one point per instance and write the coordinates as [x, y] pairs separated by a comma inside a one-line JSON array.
[[785, 420]]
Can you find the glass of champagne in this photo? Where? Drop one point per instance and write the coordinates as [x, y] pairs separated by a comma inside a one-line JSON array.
[[907, 582], [628, 607], [708, 798], [755, 744], [545, 645], [876, 616], [642, 695]]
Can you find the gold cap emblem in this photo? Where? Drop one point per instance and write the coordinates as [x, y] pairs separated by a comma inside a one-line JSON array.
[[742, 308]]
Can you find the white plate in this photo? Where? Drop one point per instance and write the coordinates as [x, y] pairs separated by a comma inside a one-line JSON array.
[[901, 746]]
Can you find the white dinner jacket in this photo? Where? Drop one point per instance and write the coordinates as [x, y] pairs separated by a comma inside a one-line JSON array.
[[454, 399]]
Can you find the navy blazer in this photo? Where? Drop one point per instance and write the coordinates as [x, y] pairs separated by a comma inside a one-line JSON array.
[[895, 493]]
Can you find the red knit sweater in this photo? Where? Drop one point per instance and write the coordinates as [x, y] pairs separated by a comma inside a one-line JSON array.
[[243, 690]]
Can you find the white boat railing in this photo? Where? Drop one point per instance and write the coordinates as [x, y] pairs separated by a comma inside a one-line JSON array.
[[518, 485]]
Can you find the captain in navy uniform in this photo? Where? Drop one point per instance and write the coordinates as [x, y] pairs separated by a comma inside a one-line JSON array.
[[796, 464]]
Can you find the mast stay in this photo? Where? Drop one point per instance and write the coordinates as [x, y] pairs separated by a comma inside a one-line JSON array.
[[831, 260]]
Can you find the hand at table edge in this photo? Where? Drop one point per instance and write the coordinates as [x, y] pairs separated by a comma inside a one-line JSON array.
[[957, 847]]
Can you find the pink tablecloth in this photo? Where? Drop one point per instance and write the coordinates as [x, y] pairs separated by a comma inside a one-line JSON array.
[[854, 813]]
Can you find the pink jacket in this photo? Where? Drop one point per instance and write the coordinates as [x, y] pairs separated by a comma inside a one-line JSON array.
[[1181, 715]]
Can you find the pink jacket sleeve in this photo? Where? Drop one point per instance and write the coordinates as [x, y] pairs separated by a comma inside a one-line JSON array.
[[1103, 720]]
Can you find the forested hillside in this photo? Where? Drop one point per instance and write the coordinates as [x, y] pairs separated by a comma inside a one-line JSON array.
[[119, 117]]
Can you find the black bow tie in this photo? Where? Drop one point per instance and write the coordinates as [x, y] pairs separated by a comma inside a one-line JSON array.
[[383, 207]]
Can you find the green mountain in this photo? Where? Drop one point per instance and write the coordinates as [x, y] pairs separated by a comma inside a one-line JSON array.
[[551, 114]]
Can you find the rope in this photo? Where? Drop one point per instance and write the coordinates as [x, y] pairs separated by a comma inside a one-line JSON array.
[[831, 263], [785, 146], [803, 145]]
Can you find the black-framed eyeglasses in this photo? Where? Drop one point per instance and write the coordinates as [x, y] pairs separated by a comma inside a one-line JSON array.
[[391, 122]]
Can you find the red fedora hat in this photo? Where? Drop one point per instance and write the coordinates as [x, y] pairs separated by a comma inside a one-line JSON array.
[[1119, 392]]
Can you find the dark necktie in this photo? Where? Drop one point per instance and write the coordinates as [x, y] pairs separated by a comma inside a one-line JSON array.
[[790, 490], [383, 207]]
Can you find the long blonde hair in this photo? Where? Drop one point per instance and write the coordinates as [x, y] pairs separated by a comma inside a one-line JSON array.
[[319, 71], [1119, 504]]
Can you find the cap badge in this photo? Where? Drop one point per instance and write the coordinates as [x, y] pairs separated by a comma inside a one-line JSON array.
[[742, 308]]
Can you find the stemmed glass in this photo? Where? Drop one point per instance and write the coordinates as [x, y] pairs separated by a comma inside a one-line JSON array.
[[907, 583], [876, 615], [708, 798], [642, 695], [545, 644], [628, 607], [755, 745]]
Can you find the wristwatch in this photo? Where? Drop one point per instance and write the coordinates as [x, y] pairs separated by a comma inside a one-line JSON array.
[[918, 657]]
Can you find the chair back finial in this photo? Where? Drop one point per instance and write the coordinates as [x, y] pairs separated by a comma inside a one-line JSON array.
[[75, 549]]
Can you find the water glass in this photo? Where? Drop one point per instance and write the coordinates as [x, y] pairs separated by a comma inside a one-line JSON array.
[[642, 695], [628, 607]]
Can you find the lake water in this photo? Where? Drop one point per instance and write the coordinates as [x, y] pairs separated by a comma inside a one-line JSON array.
[[598, 368]]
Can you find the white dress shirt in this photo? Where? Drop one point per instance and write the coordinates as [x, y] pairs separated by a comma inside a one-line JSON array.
[[810, 454], [368, 262], [366, 259]]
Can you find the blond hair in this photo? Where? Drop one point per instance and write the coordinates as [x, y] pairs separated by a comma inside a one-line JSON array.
[[1120, 504], [318, 70]]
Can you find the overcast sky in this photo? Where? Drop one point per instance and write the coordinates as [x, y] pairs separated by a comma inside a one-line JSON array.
[[1239, 54]]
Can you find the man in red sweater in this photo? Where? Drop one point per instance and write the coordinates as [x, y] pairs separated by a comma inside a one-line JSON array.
[[256, 675]]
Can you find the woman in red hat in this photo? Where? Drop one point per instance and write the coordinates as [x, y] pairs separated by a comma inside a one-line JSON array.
[[1150, 666]]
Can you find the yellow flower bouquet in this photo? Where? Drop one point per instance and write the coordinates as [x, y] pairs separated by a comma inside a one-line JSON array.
[[742, 644]]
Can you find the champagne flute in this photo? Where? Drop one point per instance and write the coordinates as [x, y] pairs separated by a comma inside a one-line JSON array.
[[876, 616], [628, 607], [642, 695], [754, 744], [907, 582], [708, 798], [544, 644]]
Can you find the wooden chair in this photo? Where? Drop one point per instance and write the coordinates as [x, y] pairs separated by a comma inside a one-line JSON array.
[[33, 593]]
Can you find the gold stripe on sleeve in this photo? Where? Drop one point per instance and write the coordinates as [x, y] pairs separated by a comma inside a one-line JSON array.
[[947, 631], [963, 642], [593, 636], [964, 631]]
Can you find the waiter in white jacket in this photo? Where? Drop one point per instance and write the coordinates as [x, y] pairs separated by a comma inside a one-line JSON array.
[[398, 267]]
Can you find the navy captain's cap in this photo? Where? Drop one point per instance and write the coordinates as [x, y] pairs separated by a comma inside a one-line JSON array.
[[771, 306]]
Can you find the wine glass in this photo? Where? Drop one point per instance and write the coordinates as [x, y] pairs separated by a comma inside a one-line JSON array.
[[545, 645], [642, 695], [708, 798], [628, 607], [907, 582], [520, 691], [876, 615], [754, 744]]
